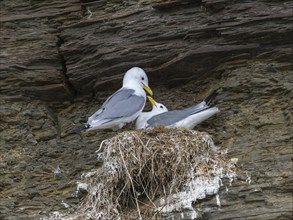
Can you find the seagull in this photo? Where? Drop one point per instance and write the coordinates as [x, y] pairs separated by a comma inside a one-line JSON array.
[[124, 105], [185, 118], [144, 116]]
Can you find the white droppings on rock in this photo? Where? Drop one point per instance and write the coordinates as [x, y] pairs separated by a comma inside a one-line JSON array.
[[55, 214], [81, 186], [196, 189], [248, 179], [88, 174], [218, 200], [65, 205], [57, 170]]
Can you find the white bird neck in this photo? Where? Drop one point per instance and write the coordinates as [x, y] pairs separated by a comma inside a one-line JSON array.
[[155, 111], [138, 89]]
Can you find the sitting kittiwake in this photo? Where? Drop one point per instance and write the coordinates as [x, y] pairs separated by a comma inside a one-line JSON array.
[[144, 116], [185, 118], [124, 105]]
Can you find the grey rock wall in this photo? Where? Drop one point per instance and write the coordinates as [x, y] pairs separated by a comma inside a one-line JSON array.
[[61, 59]]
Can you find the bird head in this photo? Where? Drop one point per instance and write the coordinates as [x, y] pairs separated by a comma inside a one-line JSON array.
[[137, 76], [158, 107]]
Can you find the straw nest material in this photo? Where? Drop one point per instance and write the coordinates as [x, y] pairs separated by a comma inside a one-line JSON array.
[[143, 165]]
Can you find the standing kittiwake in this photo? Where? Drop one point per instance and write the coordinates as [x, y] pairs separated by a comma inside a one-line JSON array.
[[124, 105], [144, 116], [185, 118]]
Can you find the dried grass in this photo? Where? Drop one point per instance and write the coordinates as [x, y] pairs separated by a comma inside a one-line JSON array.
[[143, 165]]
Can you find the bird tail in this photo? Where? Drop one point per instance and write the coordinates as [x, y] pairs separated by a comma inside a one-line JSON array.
[[209, 100], [205, 104], [202, 116]]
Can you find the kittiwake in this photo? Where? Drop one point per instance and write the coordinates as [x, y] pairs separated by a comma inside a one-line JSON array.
[[185, 118], [124, 105], [144, 116]]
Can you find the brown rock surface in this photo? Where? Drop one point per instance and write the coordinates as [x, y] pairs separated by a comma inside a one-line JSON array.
[[61, 59]]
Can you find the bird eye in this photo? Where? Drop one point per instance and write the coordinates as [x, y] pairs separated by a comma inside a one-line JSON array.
[[142, 78], [161, 106]]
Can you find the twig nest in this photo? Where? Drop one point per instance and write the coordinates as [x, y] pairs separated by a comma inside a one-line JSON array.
[[153, 173]]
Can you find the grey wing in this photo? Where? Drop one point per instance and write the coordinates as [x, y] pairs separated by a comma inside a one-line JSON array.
[[168, 118], [117, 96], [123, 103], [198, 107]]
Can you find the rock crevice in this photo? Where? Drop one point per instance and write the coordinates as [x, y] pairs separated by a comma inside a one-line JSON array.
[[67, 84]]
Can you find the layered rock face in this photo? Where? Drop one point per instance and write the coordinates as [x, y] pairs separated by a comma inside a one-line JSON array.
[[61, 59]]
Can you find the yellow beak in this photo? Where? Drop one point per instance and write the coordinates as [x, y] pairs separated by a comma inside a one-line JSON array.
[[152, 101], [148, 89]]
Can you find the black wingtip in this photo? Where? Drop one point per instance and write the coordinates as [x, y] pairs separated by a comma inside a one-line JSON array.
[[211, 97]]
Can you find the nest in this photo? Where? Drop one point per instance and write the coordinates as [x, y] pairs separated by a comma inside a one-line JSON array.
[[141, 166]]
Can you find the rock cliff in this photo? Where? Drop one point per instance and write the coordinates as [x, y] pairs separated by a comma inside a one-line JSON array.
[[61, 59]]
